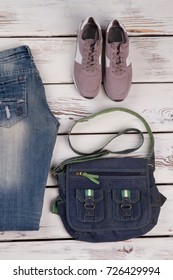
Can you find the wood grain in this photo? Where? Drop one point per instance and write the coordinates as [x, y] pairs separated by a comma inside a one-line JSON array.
[[151, 57], [136, 249], [57, 18], [152, 101]]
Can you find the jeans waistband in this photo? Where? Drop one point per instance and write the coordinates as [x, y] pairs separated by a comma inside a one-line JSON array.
[[15, 53]]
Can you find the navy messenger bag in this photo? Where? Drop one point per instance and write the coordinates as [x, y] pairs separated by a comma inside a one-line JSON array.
[[105, 199]]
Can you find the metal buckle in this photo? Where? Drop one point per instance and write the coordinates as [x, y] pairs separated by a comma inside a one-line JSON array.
[[126, 206], [91, 206]]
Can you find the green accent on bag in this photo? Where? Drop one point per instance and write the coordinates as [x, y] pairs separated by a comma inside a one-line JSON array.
[[89, 193], [91, 177], [54, 207], [125, 193]]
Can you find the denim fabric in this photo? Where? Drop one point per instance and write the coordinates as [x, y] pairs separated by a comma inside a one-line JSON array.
[[108, 199], [27, 136]]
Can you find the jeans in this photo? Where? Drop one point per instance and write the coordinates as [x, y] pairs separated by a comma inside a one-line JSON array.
[[28, 132]]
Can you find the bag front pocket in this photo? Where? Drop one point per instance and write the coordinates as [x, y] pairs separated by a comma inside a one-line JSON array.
[[89, 203], [130, 199], [85, 203], [126, 204], [13, 107]]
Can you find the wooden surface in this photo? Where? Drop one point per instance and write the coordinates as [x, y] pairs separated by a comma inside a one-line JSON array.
[[49, 29]]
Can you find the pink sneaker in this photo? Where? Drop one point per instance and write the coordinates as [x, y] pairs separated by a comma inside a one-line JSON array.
[[87, 65], [118, 69]]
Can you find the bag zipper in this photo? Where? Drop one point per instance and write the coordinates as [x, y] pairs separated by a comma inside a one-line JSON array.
[[94, 177], [91, 177]]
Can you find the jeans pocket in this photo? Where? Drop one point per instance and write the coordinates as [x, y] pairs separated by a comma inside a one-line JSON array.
[[13, 103], [89, 204]]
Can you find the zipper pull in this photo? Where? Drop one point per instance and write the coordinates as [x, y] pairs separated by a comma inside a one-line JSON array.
[[91, 177]]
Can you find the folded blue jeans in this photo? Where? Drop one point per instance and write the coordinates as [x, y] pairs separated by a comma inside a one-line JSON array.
[[28, 133]]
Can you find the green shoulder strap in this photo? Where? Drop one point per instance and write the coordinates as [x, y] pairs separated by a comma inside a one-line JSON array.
[[102, 151]]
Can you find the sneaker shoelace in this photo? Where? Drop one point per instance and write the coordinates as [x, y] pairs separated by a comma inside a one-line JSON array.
[[90, 56], [118, 65]]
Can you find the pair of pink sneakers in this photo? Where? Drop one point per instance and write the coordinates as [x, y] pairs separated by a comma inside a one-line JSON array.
[[88, 60]]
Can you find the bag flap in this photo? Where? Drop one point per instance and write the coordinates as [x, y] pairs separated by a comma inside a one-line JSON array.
[[110, 164]]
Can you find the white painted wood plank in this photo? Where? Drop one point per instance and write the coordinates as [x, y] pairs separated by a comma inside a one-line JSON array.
[[163, 152], [151, 57], [138, 249], [152, 101], [44, 17], [51, 226]]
